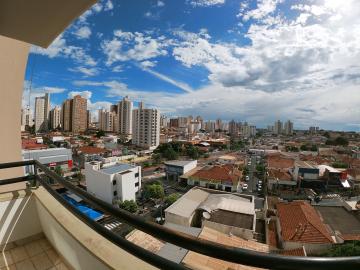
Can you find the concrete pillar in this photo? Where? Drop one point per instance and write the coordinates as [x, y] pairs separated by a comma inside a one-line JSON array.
[[13, 59]]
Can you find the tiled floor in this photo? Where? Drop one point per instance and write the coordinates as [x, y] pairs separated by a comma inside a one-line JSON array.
[[36, 255]]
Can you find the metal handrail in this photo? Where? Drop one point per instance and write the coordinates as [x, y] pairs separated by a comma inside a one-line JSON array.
[[205, 247]]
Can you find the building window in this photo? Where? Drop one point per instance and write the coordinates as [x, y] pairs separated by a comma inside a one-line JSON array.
[[137, 174], [115, 193], [136, 184], [114, 182]]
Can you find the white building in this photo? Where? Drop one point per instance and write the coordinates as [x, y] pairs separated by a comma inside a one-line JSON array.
[[113, 181], [278, 127], [125, 108], [26, 118], [42, 110], [146, 127], [107, 120], [174, 169], [288, 128], [55, 116]]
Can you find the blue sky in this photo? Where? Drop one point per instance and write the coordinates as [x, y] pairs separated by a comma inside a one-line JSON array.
[[254, 61]]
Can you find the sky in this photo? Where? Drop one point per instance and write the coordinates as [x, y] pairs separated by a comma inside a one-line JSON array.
[[255, 61]]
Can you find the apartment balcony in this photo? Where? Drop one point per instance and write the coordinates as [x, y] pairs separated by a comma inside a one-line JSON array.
[[39, 229]]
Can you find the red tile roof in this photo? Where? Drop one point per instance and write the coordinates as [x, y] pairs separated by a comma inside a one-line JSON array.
[[293, 252], [279, 174], [91, 150], [218, 173], [300, 222], [350, 237], [30, 144], [277, 161]]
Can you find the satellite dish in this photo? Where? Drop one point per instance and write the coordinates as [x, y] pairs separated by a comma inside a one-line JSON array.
[[206, 215]]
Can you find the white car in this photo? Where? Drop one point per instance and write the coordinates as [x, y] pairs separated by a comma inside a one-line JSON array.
[[247, 178], [245, 187], [260, 182]]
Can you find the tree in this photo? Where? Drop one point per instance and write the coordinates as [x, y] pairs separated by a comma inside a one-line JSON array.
[[304, 147], [171, 154], [348, 249], [154, 191], [338, 141], [130, 206], [100, 133], [58, 170], [156, 158], [170, 199], [192, 152]]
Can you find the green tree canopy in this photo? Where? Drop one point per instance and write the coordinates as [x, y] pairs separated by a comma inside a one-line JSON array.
[[348, 249], [129, 205], [154, 191], [100, 133], [170, 199]]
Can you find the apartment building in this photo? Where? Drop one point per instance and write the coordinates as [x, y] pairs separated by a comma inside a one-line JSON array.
[[146, 127], [55, 116], [125, 108], [79, 114], [42, 109], [26, 118], [66, 115], [113, 181]]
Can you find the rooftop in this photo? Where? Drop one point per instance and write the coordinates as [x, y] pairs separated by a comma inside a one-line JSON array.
[[300, 222], [279, 175], [277, 161], [118, 168], [218, 173], [91, 150], [179, 163], [197, 261], [306, 164]]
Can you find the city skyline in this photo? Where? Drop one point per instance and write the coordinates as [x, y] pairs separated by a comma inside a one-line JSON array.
[[240, 61]]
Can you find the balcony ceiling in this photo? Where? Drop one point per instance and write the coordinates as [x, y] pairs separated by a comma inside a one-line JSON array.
[[39, 22]]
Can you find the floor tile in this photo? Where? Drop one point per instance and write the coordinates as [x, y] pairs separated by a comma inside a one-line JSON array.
[[25, 265], [53, 256], [41, 261], [5, 259], [18, 254], [62, 266], [44, 243], [33, 248]]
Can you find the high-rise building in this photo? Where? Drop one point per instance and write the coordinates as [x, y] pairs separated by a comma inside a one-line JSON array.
[[278, 127], [218, 124], [313, 130], [42, 109], [288, 128], [210, 126], [146, 127], [55, 116], [125, 116], [88, 119], [174, 122], [26, 118], [164, 121], [233, 128], [66, 111], [74, 114], [79, 114], [107, 120], [183, 122]]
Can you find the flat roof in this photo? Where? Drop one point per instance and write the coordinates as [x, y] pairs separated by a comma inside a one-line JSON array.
[[179, 163], [306, 164], [120, 167]]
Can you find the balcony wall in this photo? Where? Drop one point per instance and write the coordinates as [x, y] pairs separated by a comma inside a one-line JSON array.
[[28, 214]]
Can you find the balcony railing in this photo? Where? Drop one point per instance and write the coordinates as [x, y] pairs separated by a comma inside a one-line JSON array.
[[208, 248]]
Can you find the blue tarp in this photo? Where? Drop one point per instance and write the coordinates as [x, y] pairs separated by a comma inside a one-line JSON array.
[[91, 213]]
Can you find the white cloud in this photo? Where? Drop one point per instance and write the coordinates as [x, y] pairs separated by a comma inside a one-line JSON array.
[[165, 78], [92, 71], [160, 3], [118, 68], [148, 64], [60, 48], [83, 32], [136, 46], [85, 94], [206, 3], [109, 5]]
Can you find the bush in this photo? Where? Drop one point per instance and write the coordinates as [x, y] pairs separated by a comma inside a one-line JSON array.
[[154, 191], [338, 141], [347, 249], [130, 206], [172, 198]]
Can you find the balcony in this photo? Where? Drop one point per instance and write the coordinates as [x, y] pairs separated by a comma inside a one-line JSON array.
[[41, 230]]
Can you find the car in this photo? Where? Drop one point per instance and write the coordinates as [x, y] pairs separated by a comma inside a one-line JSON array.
[[260, 182], [247, 178], [259, 188], [245, 186]]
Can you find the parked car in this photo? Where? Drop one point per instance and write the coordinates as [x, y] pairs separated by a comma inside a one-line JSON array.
[[247, 178], [245, 186]]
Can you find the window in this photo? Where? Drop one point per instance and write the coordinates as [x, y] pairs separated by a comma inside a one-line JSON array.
[[114, 182], [115, 193], [137, 174], [136, 184]]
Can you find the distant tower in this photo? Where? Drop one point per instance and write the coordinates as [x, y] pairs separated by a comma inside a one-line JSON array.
[[42, 111]]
